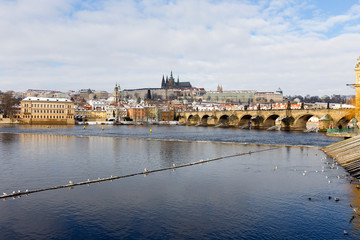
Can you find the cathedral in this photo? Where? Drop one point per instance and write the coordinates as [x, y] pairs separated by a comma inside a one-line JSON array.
[[170, 83]]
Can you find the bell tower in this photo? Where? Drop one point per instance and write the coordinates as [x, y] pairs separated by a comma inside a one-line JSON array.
[[171, 81], [116, 93]]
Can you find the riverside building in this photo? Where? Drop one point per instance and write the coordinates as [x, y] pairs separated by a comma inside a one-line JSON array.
[[36, 110]]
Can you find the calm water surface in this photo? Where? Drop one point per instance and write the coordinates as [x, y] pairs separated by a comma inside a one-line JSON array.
[[258, 196]]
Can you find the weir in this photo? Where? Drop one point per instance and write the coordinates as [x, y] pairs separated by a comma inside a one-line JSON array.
[[347, 154], [71, 184]]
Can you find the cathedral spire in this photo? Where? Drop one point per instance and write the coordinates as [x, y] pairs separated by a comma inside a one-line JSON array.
[[163, 82]]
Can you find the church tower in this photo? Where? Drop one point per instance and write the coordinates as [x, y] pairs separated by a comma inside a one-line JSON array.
[[171, 81], [116, 93]]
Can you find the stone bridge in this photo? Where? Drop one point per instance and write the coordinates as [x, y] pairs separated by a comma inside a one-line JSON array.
[[290, 119]]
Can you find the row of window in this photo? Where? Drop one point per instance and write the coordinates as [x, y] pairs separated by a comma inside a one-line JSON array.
[[45, 111], [47, 105], [48, 117]]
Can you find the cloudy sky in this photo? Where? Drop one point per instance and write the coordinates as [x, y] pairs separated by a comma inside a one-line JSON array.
[[303, 46]]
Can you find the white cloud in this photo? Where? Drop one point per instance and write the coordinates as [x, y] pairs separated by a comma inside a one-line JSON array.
[[241, 45]]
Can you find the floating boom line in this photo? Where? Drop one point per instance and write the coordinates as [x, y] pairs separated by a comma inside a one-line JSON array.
[[71, 184]]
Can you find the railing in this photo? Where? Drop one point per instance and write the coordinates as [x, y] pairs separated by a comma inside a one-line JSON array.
[[343, 130]]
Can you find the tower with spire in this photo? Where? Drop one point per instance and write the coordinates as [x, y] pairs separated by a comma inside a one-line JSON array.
[[171, 81], [116, 93], [163, 82]]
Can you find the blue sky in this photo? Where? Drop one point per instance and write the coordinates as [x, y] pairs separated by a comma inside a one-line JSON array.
[[304, 47]]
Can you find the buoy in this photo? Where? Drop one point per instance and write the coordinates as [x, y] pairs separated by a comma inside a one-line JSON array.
[[84, 127], [150, 130], [102, 128]]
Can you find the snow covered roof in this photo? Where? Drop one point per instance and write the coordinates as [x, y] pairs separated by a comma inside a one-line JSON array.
[[42, 99]]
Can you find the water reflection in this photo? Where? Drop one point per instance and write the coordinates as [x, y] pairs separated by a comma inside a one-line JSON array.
[[181, 133], [243, 197], [7, 138]]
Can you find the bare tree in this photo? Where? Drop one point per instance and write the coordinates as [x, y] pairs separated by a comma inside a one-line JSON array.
[[79, 101], [7, 103]]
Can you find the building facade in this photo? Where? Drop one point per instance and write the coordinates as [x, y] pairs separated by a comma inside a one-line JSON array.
[[269, 97], [36, 110], [91, 115], [240, 96], [137, 113]]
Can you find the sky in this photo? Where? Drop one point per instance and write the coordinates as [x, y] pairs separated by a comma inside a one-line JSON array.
[[303, 47]]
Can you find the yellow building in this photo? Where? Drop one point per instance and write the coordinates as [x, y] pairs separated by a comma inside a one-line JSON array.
[[91, 115], [36, 110]]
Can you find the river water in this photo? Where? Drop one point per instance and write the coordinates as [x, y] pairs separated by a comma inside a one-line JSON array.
[[263, 195]]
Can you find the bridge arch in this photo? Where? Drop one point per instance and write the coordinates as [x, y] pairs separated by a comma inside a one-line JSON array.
[[270, 121], [343, 122], [224, 119], [245, 120], [190, 117], [193, 119], [300, 122], [204, 119]]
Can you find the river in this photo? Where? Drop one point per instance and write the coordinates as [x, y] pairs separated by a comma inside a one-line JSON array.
[[262, 195]]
